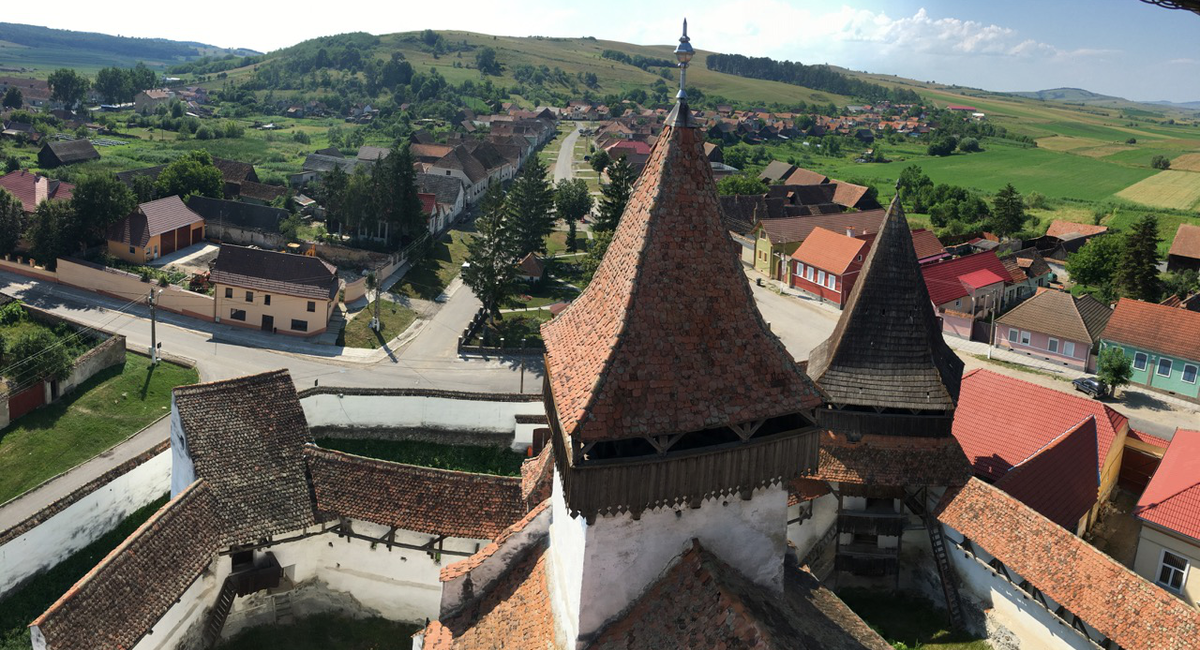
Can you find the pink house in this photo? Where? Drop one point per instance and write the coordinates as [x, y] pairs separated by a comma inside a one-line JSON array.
[[1055, 326]]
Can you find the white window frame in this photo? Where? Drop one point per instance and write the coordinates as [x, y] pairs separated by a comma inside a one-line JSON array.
[[1145, 360], [820, 278], [1052, 345], [1183, 573], [1013, 334], [800, 269], [808, 274], [1195, 371], [1158, 367], [1026, 337], [1069, 349], [831, 281]]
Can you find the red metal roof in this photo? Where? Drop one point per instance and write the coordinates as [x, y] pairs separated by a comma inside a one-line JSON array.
[[943, 279], [1172, 498], [980, 279], [1001, 421], [1060, 480], [1158, 328]]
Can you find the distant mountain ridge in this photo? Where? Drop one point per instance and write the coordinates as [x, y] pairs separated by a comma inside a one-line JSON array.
[[1188, 105], [1064, 95], [44, 48]]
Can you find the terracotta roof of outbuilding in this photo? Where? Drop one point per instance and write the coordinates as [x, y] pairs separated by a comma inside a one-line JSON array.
[[829, 251], [151, 219], [126, 594], [1060, 480], [801, 176], [892, 460], [1062, 229], [850, 195], [776, 170], [244, 437], [463, 567], [1118, 603], [648, 350], [1187, 241], [274, 272], [1172, 498], [926, 244], [789, 230], [702, 602], [421, 499], [1159, 328], [23, 185], [1060, 314], [943, 279], [806, 489], [998, 439], [887, 349]]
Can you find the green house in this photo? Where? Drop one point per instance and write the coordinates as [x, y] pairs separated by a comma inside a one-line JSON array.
[[1162, 341]]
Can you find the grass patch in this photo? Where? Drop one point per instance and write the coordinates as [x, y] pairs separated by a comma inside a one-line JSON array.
[[1168, 189], [1017, 366], [437, 268], [546, 292], [513, 328], [394, 319], [476, 459], [106, 409], [322, 631], [556, 242], [21, 607], [911, 620]]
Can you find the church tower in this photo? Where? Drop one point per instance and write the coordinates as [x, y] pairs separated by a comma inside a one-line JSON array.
[[675, 413]]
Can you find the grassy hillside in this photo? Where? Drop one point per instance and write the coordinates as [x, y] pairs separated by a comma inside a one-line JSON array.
[[42, 50]]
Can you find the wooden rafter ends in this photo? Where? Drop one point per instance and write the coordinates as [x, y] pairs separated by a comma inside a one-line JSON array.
[[1185, 5]]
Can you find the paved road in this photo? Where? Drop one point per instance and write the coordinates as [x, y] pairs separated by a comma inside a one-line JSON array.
[[564, 167]]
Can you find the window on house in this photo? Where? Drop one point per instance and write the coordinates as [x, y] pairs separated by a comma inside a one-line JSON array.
[[312, 306], [237, 314], [228, 292], [1139, 361], [1172, 571], [1069, 349], [299, 325], [820, 277], [267, 299], [1164, 367], [1012, 335], [1189, 373], [1024, 337], [249, 296], [132, 250], [831, 281], [1052, 345]]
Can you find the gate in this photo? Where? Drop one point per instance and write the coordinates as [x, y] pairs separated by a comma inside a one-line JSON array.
[[26, 400], [1136, 469]]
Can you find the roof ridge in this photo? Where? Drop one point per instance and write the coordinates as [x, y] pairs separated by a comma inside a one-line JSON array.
[[312, 449], [1051, 443], [231, 381]]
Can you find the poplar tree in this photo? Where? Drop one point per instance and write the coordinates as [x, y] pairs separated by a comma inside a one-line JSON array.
[[615, 195], [1137, 272]]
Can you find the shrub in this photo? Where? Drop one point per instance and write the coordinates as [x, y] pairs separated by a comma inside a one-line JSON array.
[[1160, 162]]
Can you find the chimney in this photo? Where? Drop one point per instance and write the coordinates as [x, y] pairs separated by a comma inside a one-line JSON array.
[[41, 189]]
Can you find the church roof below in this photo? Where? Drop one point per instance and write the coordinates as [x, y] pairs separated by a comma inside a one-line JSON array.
[[892, 460], [652, 347]]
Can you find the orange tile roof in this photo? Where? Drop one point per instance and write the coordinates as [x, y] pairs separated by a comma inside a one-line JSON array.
[[1172, 498], [849, 194], [926, 244], [463, 567], [1059, 228], [646, 349], [1187, 241], [1114, 600], [892, 460], [1158, 328], [801, 176], [829, 251]]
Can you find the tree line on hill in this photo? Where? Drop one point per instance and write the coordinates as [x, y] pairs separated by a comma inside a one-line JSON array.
[[817, 77]]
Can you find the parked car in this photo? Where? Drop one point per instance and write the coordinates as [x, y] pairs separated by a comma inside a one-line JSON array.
[[1091, 386]]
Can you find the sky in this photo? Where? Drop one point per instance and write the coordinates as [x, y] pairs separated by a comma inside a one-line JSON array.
[[1118, 47]]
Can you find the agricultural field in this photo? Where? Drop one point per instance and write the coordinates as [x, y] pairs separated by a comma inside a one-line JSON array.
[[1168, 189]]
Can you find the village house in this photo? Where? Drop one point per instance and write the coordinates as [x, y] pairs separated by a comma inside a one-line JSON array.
[[316, 165], [826, 265], [1028, 272], [1162, 342], [155, 229], [531, 269], [274, 292], [1055, 326], [1185, 249], [450, 198], [461, 165], [776, 239], [21, 132], [1168, 550], [237, 222], [66, 152], [32, 189], [966, 292], [34, 92], [147, 100], [254, 192]]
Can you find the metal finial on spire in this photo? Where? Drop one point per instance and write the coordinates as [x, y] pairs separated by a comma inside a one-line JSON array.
[[681, 115]]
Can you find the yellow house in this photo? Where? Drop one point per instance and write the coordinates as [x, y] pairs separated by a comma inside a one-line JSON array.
[[273, 292], [155, 229], [1168, 552]]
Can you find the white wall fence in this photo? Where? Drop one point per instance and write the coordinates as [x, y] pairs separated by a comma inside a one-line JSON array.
[[64, 527]]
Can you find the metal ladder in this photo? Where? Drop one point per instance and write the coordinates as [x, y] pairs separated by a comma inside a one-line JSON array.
[[220, 611], [937, 541]]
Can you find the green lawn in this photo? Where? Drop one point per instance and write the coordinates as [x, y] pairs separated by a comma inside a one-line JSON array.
[[547, 292], [324, 631], [515, 327], [18, 609], [908, 619], [394, 318], [103, 411], [440, 265], [556, 242], [501, 461]]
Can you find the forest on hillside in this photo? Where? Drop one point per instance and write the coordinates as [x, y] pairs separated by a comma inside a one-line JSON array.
[[817, 77]]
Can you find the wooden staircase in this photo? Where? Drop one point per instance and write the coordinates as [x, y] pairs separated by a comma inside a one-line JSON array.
[[937, 541], [219, 612]]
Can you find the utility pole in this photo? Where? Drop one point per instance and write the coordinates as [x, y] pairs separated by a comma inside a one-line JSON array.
[[522, 361], [153, 322]]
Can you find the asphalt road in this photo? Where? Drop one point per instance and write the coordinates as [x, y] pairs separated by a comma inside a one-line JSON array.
[[564, 166]]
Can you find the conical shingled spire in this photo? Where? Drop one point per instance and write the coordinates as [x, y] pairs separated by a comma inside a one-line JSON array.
[[667, 338], [887, 350]]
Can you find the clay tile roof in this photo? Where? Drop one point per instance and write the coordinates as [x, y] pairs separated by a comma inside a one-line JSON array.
[[892, 460], [997, 439], [1187, 241], [463, 567], [235, 171], [515, 613], [943, 279], [981, 278], [1159, 328], [275, 272], [1060, 480], [806, 489], [1148, 438], [261, 191], [537, 476], [126, 594], [371, 153], [151, 219], [829, 251], [648, 350], [800, 176], [1172, 498], [460, 159], [1062, 229], [531, 266], [1060, 314], [1076, 575], [245, 437], [887, 349], [23, 185], [701, 602], [849, 194], [926, 244], [1015, 272], [787, 230], [420, 499]]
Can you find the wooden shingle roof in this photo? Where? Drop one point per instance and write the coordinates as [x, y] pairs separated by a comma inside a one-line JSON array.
[[887, 349], [648, 350]]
